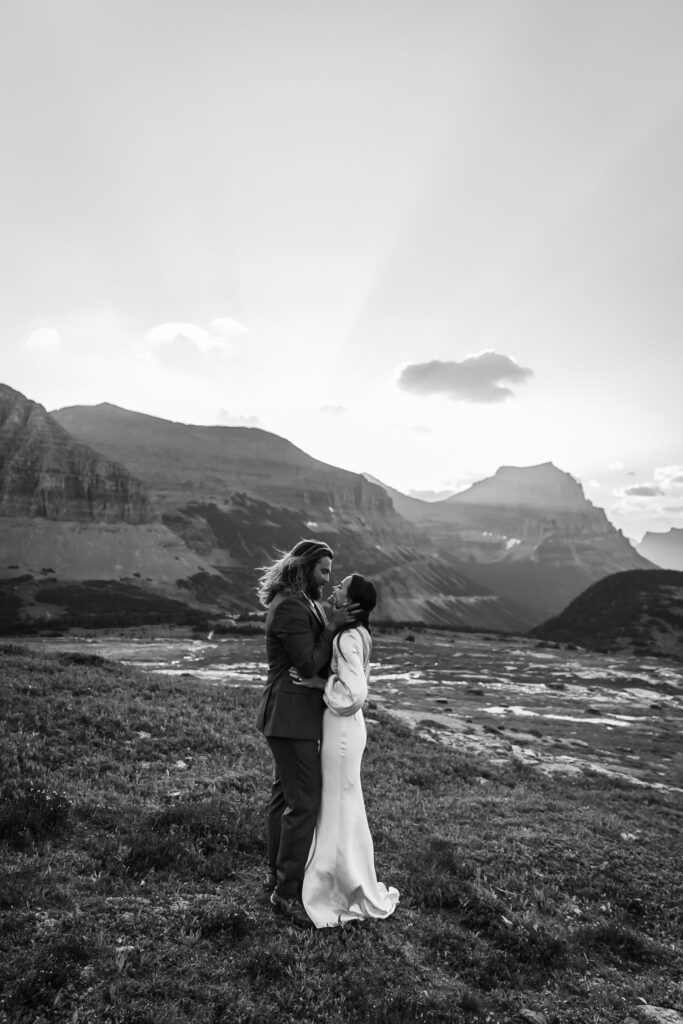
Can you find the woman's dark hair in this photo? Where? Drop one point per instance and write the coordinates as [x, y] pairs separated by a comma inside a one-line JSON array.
[[361, 592]]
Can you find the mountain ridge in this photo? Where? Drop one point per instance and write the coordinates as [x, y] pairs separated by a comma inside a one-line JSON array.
[[221, 502], [200, 456], [542, 552]]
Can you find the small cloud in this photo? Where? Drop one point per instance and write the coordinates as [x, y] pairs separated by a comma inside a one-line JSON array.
[[188, 349], [669, 477], [226, 419], [228, 327], [333, 410], [44, 338], [479, 378], [593, 483], [616, 467], [666, 480], [180, 334], [165, 334], [641, 491]]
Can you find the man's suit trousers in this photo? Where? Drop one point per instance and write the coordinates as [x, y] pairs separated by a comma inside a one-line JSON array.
[[293, 810]]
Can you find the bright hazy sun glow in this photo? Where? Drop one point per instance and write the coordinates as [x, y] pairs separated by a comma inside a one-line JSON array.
[[418, 240]]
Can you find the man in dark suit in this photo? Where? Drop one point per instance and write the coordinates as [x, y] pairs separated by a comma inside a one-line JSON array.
[[298, 647]]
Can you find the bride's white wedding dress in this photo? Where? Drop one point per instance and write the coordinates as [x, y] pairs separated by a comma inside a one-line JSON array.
[[340, 883]]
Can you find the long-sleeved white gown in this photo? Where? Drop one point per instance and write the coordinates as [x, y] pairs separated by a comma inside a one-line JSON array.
[[340, 883]]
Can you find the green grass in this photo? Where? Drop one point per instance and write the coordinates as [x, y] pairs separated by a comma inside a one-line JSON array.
[[132, 817]]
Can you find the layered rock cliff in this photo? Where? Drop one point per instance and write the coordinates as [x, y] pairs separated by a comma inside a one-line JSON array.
[[44, 472], [71, 514]]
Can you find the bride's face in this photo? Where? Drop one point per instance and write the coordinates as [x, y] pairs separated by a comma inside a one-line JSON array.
[[340, 595]]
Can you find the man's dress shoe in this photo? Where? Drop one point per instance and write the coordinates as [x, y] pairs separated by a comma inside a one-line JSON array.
[[293, 909]]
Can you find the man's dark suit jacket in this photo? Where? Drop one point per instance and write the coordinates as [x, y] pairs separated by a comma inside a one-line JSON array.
[[295, 638]]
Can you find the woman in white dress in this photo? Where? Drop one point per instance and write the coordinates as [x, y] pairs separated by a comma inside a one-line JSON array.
[[340, 883]]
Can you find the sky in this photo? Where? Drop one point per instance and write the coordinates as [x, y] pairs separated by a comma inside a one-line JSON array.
[[418, 239]]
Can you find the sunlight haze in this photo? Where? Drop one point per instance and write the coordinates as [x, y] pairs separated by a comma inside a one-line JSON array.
[[420, 241]]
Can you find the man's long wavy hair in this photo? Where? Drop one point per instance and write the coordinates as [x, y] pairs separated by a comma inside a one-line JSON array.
[[291, 573]]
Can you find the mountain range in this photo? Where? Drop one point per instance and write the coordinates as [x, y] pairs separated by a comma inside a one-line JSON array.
[[111, 510], [529, 534]]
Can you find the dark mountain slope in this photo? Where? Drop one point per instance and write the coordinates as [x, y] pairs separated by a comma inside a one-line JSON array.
[[638, 611], [180, 462]]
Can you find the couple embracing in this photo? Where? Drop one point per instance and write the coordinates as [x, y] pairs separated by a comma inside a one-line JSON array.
[[320, 851]]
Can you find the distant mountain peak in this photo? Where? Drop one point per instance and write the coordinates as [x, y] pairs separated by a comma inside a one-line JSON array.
[[7, 392], [664, 549], [526, 486]]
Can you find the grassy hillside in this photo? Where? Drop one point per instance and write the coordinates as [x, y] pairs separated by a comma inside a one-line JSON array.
[[132, 851]]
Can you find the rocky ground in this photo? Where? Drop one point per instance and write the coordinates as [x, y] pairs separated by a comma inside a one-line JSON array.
[[559, 709]]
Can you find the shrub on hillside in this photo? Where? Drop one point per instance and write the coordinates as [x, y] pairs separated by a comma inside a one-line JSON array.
[[205, 837], [36, 813]]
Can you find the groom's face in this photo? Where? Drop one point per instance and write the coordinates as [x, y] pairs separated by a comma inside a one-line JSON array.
[[322, 570]]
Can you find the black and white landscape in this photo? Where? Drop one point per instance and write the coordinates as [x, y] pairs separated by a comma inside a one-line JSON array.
[[114, 519]]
